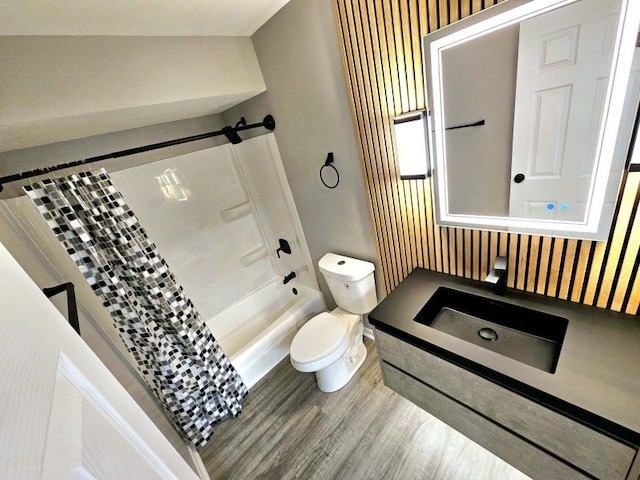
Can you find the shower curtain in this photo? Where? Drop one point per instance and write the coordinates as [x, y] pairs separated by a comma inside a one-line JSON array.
[[175, 351]]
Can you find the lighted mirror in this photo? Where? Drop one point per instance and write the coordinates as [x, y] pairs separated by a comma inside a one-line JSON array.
[[532, 104]]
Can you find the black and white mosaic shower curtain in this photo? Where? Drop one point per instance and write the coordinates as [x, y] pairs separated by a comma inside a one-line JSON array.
[[176, 353]]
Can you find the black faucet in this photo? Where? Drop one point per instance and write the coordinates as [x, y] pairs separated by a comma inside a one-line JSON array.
[[289, 277], [498, 276], [284, 247]]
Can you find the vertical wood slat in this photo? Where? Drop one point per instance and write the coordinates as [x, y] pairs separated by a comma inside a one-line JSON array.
[[475, 255], [467, 254], [392, 48], [384, 75], [390, 102], [556, 264], [580, 272], [373, 80], [344, 34], [625, 267], [523, 261], [618, 238], [569, 260], [543, 266]]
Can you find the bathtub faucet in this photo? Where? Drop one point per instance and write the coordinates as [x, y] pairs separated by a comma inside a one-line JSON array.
[[284, 247], [289, 277]]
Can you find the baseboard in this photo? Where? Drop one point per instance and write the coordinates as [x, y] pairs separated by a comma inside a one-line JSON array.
[[197, 462], [368, 332]]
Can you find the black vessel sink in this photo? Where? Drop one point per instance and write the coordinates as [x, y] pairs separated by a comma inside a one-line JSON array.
[[520, 333]]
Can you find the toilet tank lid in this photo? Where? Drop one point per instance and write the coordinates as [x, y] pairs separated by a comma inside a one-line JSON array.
[[344, 268]]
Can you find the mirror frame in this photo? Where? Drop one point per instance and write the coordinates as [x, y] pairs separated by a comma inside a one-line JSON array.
[[501, 15]]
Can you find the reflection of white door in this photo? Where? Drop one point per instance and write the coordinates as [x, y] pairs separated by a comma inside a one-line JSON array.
[[563, 69], [64, 416]]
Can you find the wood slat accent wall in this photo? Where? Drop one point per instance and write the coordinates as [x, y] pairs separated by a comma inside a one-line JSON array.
[[383, 69]]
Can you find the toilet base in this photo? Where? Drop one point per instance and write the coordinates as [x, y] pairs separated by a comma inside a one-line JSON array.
[[337, 374]]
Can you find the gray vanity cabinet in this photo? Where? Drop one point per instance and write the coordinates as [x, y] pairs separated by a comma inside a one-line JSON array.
[[540, 442]]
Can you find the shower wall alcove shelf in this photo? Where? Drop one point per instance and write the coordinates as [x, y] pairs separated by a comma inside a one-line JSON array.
[[230, 132], [254, 255], [238, 211]]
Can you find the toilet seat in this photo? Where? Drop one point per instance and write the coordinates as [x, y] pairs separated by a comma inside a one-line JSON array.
[[320, 341]]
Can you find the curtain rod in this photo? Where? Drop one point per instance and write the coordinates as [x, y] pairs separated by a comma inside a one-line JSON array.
[[230, 132]]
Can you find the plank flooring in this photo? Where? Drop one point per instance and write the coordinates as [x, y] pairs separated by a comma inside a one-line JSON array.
[[291, 430]]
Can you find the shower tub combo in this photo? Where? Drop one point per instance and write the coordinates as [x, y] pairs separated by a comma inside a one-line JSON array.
[[218, 217]]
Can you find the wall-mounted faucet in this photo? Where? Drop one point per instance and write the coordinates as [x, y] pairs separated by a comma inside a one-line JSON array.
[[284, 247], [289, 277], [498, 276]]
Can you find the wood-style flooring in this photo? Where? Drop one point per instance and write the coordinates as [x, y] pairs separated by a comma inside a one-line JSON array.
[[291, 430]]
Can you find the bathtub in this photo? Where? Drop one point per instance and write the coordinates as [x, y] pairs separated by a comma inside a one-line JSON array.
[[256, 332]]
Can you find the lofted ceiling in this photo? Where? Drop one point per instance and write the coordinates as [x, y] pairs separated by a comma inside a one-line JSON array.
[[136, 17], [79, 68]]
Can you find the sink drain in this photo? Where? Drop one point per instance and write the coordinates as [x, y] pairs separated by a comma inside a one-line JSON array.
[[488, 334]]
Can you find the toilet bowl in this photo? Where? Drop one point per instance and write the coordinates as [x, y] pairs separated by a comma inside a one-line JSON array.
[[331, 343]]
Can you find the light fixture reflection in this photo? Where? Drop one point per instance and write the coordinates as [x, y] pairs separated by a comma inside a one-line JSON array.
[[411, 136], [171, 186]]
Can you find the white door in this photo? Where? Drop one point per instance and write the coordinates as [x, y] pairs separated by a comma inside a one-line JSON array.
[[564, 58], [64, 416]]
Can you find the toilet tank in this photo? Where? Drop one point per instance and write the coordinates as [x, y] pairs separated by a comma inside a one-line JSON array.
[[351, 282]]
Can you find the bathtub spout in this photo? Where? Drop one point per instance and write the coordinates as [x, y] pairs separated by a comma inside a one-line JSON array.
[[289, 277]]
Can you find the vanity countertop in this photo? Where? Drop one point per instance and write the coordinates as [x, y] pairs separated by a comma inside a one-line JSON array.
[[597, 379]]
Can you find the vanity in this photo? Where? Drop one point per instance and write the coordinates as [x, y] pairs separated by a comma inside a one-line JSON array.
[[565, 406], [531, 108]]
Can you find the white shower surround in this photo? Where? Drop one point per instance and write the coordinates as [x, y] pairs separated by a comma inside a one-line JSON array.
[[221, 240]]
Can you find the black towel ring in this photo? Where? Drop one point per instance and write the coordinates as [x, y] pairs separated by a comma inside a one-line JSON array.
[[329, 163]]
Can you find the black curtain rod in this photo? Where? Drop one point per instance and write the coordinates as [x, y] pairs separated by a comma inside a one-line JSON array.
[[72, 308], [230, 132], [467, 125]]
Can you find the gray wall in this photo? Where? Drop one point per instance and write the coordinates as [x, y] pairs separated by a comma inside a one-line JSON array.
[[479, 158], [300, 59]]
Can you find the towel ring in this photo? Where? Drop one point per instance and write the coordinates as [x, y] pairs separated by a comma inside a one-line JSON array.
[[328, 163]]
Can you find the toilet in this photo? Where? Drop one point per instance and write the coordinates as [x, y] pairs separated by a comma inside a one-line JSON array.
[[330, 344]]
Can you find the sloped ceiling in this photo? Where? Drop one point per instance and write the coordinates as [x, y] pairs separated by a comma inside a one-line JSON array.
[[78, 68], [136, 17]]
